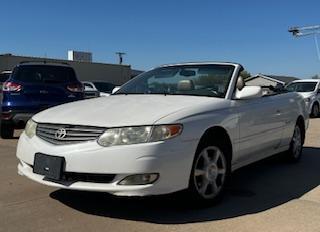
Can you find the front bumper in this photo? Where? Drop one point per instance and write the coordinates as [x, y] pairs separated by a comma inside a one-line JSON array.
[[171, 159]]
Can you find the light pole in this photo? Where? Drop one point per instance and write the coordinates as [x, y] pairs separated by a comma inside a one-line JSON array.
[[306, 31], [120, 54]]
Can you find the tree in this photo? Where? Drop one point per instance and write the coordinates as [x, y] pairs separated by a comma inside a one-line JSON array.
[[245, 74], [315, 76]]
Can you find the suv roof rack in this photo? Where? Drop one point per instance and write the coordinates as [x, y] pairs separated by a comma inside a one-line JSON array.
[[44, 62]]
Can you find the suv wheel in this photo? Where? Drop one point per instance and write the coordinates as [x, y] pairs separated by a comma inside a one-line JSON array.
[[6, 130], [209, 174], [315, 110]]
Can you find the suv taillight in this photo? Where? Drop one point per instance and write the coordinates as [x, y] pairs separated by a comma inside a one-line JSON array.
[[75, 88], [11, 87]]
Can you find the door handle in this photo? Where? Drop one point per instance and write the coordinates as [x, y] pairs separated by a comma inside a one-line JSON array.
[[278, 112], [43, 91]]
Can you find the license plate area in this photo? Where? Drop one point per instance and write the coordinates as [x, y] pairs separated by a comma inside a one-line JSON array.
[[49, 166]]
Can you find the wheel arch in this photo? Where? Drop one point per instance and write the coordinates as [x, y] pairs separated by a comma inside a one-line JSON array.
[[217, 133]]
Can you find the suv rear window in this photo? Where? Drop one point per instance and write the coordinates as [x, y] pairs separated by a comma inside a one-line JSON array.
[[44, 73]]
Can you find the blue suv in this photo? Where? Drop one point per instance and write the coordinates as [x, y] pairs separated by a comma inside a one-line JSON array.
[[33, 87]]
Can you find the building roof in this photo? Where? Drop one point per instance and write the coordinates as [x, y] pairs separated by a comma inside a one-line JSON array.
[[57, 60], [276, 78]]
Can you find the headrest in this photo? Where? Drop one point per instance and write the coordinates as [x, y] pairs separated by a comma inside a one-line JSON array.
[[185, 85]]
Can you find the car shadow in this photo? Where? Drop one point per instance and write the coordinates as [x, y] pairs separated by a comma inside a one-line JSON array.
[[253, 189]]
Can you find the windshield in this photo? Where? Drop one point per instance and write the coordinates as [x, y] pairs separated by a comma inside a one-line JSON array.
[[197, 80], [44, 73], [301, 87], [104, 86]]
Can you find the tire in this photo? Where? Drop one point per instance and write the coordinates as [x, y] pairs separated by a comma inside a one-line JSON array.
[[295, 150], [209, 175], [6, 130], [315, 110]]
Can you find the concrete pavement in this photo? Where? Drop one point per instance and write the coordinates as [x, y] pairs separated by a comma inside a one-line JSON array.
[[271, 195]]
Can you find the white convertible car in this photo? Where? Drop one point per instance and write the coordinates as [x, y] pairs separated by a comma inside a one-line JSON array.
[[176, 127]]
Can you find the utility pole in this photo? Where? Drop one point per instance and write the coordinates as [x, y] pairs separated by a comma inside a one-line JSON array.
[[306, 31], [120, 54]]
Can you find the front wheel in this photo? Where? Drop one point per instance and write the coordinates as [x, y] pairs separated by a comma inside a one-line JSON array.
[[209, 174], [315, 110], [6, 130], [295, 150]]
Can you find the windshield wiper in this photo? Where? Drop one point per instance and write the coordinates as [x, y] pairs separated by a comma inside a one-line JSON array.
[[164, 93]]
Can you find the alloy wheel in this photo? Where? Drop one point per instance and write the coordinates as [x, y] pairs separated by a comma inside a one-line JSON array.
[[315, 111], [210, 172], [296, 142]]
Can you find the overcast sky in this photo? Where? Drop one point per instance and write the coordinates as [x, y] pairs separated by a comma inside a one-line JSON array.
[[253, 33]]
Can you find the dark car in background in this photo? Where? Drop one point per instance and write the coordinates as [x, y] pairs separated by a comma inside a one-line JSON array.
[[105, 88], [89, 90], [33, 87], [4, 75]]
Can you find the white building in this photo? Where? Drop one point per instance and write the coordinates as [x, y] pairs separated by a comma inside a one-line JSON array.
[[269, 80]]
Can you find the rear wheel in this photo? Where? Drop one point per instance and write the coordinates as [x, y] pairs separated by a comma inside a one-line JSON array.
[[209, 174], [295, 150], [315, 110], [6, 130]]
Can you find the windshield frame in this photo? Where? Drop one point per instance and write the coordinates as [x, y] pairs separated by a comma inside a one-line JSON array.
[[235, 68]]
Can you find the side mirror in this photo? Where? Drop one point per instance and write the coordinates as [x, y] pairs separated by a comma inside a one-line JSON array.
[[115, 89], [318, 91], [278, 88], [249, 92]]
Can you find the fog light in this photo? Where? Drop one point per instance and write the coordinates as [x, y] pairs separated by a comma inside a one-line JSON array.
[[140, 179]]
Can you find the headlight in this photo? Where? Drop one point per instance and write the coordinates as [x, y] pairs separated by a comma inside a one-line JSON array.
[[30, 128], [125, 135], [138, 134]]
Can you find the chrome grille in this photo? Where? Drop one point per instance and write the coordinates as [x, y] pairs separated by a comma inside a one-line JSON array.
[[60, 134]]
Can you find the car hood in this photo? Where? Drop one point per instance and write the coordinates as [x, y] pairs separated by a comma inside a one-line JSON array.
[[121, 110]]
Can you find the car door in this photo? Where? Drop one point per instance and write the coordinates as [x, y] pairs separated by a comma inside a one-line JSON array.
[[260, 127], [290, 112]]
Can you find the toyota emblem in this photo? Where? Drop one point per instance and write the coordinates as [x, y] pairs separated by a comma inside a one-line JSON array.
[[60, 133]]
